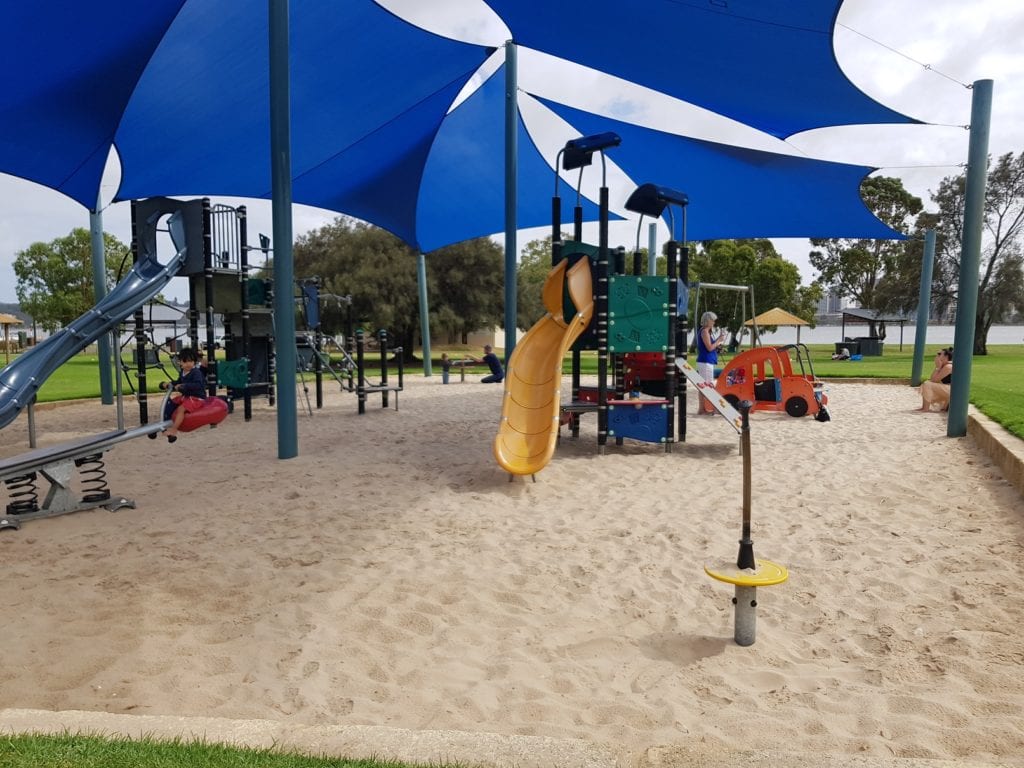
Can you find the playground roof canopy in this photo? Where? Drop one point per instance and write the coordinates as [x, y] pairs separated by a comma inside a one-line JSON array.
[[181, 89], [860, 315]]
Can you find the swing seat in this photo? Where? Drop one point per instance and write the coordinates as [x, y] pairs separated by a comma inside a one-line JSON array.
[[201, 413]]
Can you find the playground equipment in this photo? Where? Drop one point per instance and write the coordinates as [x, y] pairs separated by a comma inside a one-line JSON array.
[[20, 380], [314, 348], [700, 290], [217, 268], [384, 387], [82, 458], [635, 326], [746, 573], [533, 382], [156, 353], [59, 465], [638, 331], [765, 376], [204, 413]]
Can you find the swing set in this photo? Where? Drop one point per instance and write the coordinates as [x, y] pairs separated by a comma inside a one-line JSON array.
[[727, 322]]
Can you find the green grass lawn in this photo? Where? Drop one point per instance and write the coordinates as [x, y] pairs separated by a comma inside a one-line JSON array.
[[997, 379], [77, 751]]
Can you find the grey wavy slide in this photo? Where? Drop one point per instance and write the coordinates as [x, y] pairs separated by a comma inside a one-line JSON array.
[[20, 380]]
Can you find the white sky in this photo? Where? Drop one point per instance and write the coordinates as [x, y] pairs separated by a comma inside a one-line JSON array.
[[966, 41]]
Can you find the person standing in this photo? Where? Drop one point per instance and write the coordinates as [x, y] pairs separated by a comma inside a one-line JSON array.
[[708, 345], [446, 367]]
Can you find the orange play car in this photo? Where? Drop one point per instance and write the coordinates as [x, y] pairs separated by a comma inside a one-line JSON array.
[[765, 377]]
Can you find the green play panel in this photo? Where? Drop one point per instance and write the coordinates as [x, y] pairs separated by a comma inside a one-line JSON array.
[[637, 313]]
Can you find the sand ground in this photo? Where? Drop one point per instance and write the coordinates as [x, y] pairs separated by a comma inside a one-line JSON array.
[[391, 575]]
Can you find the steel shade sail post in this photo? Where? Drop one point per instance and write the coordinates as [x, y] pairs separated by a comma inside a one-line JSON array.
[[652, 248], [970, 258], [924, 302], [99, 287], [421, 280], [284, 268], [511, 194]]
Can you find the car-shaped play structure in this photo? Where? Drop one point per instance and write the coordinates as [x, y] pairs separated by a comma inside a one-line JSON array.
[[765, 376]]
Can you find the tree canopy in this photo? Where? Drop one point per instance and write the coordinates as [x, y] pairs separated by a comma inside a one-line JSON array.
[[55, 281], [756, 263], [856, 267], [375, 268], [886, 275], [1001, 278]]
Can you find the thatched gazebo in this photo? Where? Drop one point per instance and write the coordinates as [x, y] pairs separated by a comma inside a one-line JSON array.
[[777, 316], [7, 321]]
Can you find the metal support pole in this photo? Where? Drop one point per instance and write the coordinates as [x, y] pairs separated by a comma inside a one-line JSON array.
[[671, 384], [421, 281], [652, 248], [284, 267], [602, 322], [32, 423], [511, 194], [681, 338], [745, 615], [924, 303], [970, 258], [99, 288], [745, 558]]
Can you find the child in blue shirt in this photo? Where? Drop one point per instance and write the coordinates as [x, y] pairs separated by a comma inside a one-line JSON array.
[[188, 393]]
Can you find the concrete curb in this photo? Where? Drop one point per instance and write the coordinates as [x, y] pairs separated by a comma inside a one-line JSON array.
[[487, 750], [354, 741], [1004, 448]]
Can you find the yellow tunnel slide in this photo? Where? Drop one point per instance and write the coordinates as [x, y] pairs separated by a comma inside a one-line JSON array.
[[533, 383]]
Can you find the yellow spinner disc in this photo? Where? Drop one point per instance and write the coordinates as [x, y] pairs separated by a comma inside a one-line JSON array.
[[766, 574]]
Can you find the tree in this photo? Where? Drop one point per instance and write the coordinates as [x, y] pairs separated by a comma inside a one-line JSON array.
[[856, 267], [534, 267], [375, 268], [776, 281], [55, 282], [466, 287], [1001, 278]]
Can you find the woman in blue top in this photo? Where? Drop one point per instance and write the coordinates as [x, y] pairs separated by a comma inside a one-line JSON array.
[[707, 355]]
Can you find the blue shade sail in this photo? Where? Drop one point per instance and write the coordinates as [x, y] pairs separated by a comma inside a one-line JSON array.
[[182, 87], [365, 84], [741, 193], [68, 73], [462, 189], [767, 63]]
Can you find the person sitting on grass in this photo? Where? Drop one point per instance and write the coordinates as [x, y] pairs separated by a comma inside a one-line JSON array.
[[187, 395], [935, 391]]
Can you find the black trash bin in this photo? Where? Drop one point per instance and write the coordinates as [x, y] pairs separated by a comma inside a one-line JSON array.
[[870, 346]]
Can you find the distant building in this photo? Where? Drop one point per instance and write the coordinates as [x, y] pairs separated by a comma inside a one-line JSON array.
[[494, 336], [166, 324], [830, 308]]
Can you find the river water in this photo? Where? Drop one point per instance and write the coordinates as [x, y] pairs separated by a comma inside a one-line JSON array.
[[936, 334]]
